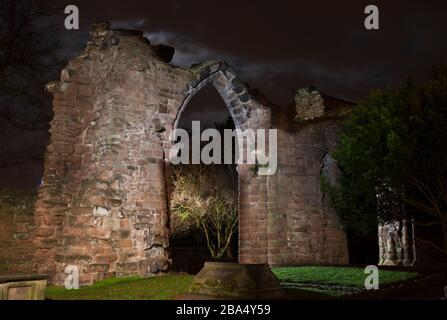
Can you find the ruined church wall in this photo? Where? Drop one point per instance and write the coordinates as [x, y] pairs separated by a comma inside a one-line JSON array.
[[307, 229], [103, 206], [111, 200]]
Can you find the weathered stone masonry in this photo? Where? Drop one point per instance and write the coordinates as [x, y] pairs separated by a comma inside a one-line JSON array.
[[103, 204], [16, 230]]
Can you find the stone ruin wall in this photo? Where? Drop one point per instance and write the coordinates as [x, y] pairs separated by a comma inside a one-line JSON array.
[[308, 230], [103, 203], [16, 230], [103, 206]]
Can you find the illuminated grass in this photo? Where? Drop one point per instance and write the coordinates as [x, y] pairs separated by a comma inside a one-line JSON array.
[[340, 276], [168, 287], [131, 288]]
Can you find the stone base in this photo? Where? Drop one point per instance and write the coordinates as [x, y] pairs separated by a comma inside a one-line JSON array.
[[23, 287], [236, 281]]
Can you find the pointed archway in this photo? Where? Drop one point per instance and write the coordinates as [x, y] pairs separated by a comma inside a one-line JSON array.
[[218, 182], [246, 113]]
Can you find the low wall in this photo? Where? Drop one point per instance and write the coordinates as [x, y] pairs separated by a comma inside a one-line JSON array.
[[16, 228]]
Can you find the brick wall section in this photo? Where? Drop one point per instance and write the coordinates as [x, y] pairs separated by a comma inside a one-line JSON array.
[[306, 229], [16, 230], [103, 206]]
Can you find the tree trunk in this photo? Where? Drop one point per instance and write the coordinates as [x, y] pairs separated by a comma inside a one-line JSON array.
[[229, 252]]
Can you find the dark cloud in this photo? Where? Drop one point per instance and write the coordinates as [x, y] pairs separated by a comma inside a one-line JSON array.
[[278, 46]]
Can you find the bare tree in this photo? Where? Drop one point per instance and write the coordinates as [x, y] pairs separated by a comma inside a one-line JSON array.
[[204, 197], [27, 61]]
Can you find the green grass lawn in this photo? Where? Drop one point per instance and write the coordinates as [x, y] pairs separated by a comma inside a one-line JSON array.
[[167, 287], [342, 276], [130, 288], [328, 277]]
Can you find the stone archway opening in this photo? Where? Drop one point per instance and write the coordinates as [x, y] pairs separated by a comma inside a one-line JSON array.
[[216, 185]]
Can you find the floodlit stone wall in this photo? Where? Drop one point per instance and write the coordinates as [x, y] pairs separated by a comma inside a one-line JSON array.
[[16, 230], [103, 204], [306, 230]]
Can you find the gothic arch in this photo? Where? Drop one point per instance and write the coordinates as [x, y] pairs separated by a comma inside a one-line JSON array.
[[240, 104], [232, 91]]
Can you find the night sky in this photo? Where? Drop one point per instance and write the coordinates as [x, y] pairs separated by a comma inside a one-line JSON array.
[[275, 46], [278, 46]]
